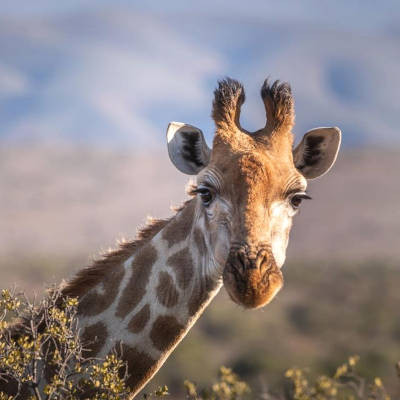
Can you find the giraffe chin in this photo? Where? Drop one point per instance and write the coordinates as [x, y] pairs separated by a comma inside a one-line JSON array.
[[252, 288]]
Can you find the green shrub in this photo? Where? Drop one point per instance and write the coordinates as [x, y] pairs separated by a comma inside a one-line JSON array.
[[345, 384], [42, 353], [227, 387]]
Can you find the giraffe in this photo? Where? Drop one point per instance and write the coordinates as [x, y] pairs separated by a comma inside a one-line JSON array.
[[233, 231]]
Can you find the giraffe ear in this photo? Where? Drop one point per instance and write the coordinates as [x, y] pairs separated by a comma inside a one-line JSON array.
[[187, 148], [317, 152]]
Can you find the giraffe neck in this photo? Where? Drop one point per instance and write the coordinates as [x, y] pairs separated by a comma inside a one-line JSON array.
[[146, 304]]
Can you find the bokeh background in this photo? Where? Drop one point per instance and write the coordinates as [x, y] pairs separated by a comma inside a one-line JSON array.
[[87, 89]]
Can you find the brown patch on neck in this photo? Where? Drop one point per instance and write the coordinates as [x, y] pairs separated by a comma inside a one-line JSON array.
[[139, 320], [178, 229], [90, 276], [141, 366], [167, 294], [201, 294], [134, 291], [94, 303], [166, 332], [93, 338], [182, 264]]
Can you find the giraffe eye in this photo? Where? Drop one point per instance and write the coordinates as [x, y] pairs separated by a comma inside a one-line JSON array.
[[296, 199], [205, 195]]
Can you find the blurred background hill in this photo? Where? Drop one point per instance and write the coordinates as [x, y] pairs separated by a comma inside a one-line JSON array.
[[87, 89], [74, 202]]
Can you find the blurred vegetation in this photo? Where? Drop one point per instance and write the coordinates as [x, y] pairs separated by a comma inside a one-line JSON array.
[[46, 358], [326, 312], [345, 384]]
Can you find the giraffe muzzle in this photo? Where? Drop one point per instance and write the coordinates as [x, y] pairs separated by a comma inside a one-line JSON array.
[[252, 278]]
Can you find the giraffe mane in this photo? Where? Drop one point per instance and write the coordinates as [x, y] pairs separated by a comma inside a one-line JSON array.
[[90, 276]]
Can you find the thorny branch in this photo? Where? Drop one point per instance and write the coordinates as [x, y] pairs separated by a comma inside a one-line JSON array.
[[43, 352]]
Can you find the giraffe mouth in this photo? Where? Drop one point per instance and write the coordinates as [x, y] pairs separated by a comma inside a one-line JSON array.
[[252, 282]]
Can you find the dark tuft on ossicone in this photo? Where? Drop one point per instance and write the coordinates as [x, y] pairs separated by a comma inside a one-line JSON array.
[[279, 104], [228, 98]]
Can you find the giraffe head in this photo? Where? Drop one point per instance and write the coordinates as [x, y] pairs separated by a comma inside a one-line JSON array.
[[250, 185]]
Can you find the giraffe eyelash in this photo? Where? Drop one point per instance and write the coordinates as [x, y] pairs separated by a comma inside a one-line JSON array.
[[201, 188], [192, 190]]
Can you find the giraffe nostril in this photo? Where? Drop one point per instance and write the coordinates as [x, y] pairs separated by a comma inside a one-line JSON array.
[[262, 261], [244, 259], [241, 258], [259, 261]]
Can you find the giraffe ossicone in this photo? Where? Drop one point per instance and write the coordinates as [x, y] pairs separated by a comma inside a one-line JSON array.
[[233, 231]]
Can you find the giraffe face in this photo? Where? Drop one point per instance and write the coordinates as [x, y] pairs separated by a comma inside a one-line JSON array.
[[247, 200], [250, 186]]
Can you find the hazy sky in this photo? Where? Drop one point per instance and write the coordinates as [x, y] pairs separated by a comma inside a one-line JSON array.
[[117, 72]]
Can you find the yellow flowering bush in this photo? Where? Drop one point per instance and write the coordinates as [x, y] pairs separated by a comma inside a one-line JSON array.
[[345, 384], [227, 387], [42, 353]]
